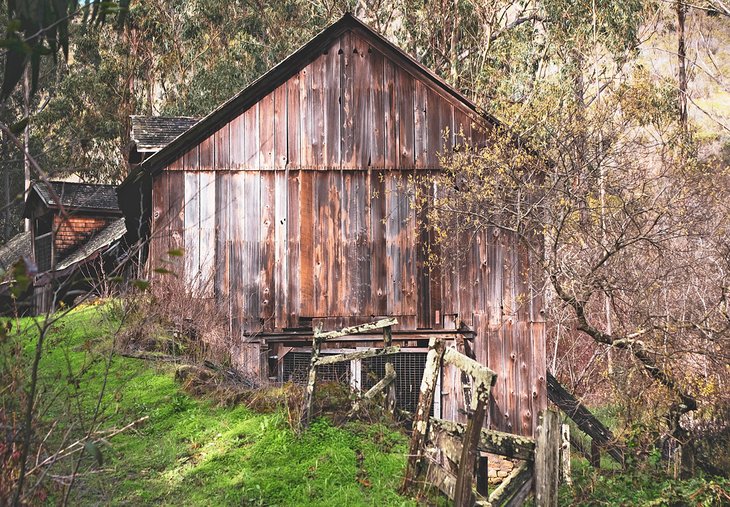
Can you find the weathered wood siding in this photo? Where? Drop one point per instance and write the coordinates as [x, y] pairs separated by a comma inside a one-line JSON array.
[[300, 209]]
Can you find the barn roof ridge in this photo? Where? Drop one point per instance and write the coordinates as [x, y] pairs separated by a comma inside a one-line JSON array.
[[276, 76]]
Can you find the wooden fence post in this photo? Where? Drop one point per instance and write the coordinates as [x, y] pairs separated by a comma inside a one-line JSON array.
[[547, 455], [312, 381], [423, 412], [463, 495], [565, 453], [389, 371]]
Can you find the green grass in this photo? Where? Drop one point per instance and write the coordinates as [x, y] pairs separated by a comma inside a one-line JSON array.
[[190, 452]]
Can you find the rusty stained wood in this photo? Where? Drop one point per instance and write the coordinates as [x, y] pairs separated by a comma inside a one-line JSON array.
[[343, 135]]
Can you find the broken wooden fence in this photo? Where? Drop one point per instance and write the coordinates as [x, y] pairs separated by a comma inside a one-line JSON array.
[[601, 437], [444, 453], [318, 360]]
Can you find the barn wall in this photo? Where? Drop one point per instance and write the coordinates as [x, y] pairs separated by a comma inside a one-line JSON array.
[[299, 209], [352, 109]]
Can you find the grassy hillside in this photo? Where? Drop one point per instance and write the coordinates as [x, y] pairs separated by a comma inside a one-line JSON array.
[[190, 452]]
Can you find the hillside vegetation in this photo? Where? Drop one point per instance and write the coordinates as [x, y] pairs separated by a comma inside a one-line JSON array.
[[189, 451]]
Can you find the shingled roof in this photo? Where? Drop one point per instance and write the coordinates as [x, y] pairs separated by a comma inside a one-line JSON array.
[[75, 195], [18, 247], [152, 133]]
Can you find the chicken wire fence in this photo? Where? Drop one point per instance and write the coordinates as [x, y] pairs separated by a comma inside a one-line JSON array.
[[364, 374]]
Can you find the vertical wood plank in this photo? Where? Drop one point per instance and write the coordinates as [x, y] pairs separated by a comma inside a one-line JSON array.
[[361, 106], [347, 150], [390, 116], [305, 118], [539, 369], [268, 250], [498, 405], [222, 240], [175, 214], [293, 114], [237, 143], [332, 107], [251, 268], [207, 233], [307, 213], [281, 241], [192, 232], [394, 247], [361, 197], [420, 110], [222, 140], [380, 248], [237, 254], [207, 154], [266, 127], [292, 251], [316, 110], [160, 223], [405, 114], [510, 374], [280, 127], [524, 362], [378, 109], [252, 144]]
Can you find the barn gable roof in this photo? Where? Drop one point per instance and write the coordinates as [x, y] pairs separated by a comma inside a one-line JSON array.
[[278, 75]]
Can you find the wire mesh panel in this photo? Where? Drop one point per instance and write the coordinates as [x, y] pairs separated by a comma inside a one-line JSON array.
[[296, 369], [409, 368]]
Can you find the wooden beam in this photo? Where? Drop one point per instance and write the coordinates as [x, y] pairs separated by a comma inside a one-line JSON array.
[[547, 457], [362, 328], [463, 496], [495, 442], [361, 354], [583, 418], [511, 484]]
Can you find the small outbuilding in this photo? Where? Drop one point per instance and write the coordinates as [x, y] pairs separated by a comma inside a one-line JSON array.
[[73, 225], [293, 204]]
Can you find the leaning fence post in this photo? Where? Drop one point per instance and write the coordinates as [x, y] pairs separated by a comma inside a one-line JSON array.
[[547, 452], [309, 399], [389, 371], [463, 495], [425, 402]]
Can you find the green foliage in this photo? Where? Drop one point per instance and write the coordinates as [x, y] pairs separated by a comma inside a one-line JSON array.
[[190, 452], [647, 487]]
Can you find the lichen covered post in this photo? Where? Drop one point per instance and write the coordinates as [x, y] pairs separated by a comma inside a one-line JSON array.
[[547, 456], [423, 412]]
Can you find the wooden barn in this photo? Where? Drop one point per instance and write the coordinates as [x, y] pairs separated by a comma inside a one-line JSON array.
[[293, 204]]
